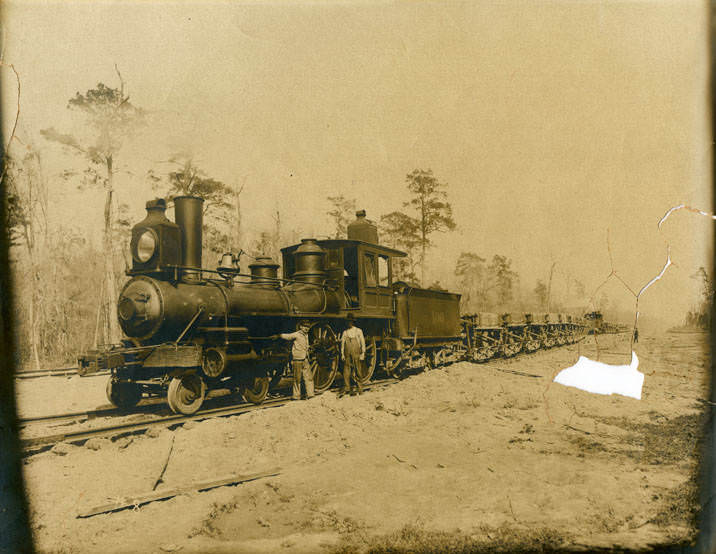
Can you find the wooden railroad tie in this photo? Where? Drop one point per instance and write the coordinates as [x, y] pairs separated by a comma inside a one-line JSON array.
[[141, 499]]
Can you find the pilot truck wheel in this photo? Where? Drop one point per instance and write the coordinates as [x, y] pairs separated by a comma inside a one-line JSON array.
[[186, 393], [123, 395], [256, 391]]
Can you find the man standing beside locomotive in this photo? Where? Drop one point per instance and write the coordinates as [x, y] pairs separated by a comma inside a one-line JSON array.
[[299, 359], [352, 352]]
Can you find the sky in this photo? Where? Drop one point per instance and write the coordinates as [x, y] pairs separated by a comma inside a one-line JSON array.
[[550, 122]]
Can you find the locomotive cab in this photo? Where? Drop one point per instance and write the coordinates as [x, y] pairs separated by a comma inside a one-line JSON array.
[[358, 266], [362, 270]]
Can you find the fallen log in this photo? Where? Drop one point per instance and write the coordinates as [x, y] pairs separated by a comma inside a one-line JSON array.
[[135, 501]]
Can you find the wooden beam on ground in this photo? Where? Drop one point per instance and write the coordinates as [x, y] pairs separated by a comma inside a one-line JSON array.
[[138, 500]]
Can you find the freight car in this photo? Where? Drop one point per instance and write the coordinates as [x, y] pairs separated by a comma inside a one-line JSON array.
[[189, 329], [595, 325]]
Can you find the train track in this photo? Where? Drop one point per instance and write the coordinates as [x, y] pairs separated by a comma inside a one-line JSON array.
[[149, 405], [58, 372], [39, 444], [36, 445]]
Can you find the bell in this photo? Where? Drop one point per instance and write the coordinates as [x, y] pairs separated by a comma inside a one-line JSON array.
[[228, 262]]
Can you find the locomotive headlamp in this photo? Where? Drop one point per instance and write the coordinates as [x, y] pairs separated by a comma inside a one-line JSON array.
[[146, 245]]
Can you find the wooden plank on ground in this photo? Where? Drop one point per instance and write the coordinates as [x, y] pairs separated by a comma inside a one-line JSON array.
[[141, 499]]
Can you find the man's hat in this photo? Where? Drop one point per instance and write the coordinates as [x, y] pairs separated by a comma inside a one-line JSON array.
[[304, 323], [350, 317]]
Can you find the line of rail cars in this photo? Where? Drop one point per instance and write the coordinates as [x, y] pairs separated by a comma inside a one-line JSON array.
[[595, 324], [190, 329]]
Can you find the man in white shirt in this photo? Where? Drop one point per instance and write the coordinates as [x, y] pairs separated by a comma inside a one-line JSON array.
[[299, 359], [352, 352]]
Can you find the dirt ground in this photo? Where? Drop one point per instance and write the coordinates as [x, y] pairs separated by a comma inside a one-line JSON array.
[[465, 458]]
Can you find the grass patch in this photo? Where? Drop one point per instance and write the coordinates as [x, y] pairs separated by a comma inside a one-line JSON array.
[[414, 539], [670, 442], [666, 442], [681, 506], [208, 525], [586, 445]]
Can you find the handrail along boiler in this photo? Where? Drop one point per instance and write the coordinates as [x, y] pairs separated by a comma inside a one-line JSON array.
[[190, 329]]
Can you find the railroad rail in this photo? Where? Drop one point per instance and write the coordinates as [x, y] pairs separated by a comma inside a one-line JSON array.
[[150, 405], [57, 372], [35, 445]]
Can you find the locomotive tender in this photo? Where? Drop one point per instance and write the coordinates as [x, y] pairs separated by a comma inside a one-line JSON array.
[[190, 329]]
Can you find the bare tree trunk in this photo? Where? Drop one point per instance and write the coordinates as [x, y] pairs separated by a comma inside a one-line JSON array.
[[110, 302], [29, 232], [424, 240], [98, 320], [277, 236], [549, 287], [237, 226], [33, 316]]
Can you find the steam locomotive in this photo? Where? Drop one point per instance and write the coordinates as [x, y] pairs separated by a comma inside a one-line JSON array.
[[189, 330]]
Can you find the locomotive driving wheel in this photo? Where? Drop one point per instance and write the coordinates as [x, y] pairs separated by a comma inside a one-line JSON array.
[[367, 366], [256, 391], [123, 394], [186, 393], [323, 355]]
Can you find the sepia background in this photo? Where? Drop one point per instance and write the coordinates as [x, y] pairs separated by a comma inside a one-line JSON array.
[[550, 125], [556, 136]]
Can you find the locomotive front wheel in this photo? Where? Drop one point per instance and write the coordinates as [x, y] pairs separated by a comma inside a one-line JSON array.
[[186, 394], [323, 355], [367, 366], [256, 391], [123, 395]]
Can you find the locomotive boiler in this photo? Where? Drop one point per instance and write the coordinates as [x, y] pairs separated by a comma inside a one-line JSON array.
[[189, 329]]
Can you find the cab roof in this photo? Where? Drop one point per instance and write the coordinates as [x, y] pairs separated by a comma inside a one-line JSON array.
[[344, 243]]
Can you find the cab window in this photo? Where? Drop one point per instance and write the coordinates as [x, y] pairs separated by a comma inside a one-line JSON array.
[[383, 271], [370, 270]]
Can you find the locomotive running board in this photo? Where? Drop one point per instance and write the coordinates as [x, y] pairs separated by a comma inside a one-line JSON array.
[[165, 355], [173, 356]]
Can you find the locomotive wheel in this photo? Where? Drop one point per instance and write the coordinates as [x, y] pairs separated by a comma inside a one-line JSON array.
[[123, 395], [367, 366], [256, 392], [323, 355], [186, 393]]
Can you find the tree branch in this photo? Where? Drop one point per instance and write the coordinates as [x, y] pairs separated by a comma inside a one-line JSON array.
[[17, 118]]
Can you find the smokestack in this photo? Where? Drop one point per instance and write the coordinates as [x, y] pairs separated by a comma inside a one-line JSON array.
[[188, 215]]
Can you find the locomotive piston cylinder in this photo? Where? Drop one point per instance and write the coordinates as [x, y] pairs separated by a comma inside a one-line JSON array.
[[189, 217], [217, 360]]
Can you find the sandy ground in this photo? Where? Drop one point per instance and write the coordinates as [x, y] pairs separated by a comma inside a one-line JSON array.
[[467, 457], [42, 396]]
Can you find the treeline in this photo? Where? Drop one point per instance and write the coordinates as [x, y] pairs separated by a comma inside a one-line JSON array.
[[67, 283], [487, 284], [699, 315]]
